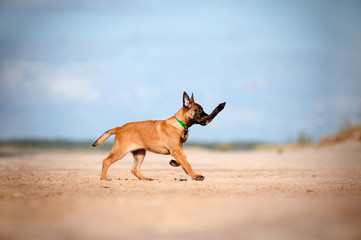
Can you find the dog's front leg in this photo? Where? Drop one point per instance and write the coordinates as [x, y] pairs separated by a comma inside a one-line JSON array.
[[181, 159]]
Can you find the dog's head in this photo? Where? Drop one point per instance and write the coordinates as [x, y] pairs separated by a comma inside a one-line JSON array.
[[194, 111]]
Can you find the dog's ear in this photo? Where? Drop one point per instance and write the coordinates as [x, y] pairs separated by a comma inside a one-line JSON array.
[[192, 98], [187, 103]]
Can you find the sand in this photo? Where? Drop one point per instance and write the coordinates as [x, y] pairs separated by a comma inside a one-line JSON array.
[[309, 193]]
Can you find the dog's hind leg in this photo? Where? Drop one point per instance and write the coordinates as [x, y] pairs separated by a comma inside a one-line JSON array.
[[112, 158], [138, 160]]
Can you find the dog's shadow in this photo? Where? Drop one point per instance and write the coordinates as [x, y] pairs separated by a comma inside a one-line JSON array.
[[154, 179], [134, 179]]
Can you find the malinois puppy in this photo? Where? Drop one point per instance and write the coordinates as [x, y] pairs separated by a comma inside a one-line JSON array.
[[161, 136]]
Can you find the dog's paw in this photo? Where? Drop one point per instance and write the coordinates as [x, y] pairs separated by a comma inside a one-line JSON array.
[[174, 163], [106, 179], [199, 178]]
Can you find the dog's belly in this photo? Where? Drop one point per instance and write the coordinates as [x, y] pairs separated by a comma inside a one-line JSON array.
[[155, 149], [160, 150]]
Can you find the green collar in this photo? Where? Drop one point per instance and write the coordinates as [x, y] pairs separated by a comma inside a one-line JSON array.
[[181, 123]]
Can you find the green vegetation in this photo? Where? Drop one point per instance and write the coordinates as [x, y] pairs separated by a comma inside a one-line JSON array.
[[225, 146], [303, 138], [36, 144]]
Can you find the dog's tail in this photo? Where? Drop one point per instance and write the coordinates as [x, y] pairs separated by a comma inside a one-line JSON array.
[[104, 137]]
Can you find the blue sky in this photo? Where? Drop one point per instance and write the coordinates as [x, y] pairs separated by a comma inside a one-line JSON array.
[[73, 69]]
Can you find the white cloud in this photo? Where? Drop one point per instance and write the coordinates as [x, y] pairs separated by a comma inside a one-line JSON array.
[[67, 88], [38, 82]]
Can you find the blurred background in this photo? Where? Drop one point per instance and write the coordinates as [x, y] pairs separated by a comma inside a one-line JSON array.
[[73, 69]]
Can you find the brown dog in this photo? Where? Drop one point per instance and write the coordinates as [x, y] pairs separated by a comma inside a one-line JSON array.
[[161, 136]]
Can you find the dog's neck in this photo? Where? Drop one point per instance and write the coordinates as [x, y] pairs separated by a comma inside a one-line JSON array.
[[181, 116]]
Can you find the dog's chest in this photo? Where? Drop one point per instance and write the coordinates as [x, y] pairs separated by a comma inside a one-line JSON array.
[[184, 136]]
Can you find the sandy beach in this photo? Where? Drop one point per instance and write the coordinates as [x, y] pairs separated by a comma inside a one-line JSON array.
[[308, 193]]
